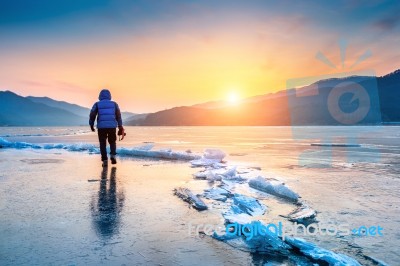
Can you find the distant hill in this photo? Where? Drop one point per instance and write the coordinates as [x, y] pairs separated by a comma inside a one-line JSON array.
[[135, 120], [251, 114], [287, 108], [253, 99], [73, 108], [16, 110], [389, 95]]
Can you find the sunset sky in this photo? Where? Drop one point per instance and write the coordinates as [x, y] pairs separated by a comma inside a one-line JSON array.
[[154, 55]]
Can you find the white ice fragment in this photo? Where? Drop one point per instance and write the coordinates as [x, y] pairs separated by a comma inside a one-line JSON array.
[[216, 193], [320, 254], [188, 196], [206, 162], [241, 218], [302, 214], [160, 154], [273, 187], [246, 204], [212, 177], [266, 243], [200, 174], [231, 172], [215, 154]]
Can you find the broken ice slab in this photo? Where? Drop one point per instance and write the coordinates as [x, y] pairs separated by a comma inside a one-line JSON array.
[[192, 199], [276, 188], [241, 218], [319, 254], [244, 237], [217, 193], [215, 154], [203, 162], [160, 154], [246, 204], [268, 242], [212, 175], [207, 162], [211, 158], [302, 214], [200, 174]]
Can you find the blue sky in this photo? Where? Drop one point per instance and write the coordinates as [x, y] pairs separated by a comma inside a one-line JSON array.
[[260, 44]]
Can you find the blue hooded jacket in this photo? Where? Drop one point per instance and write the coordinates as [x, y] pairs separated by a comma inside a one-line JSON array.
[[107, 112]]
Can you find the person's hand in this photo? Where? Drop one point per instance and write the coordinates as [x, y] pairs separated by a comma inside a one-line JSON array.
[[121, 133], [92, 128]]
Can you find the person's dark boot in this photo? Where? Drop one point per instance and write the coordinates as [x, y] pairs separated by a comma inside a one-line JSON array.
[[105, 163], [113, 159]]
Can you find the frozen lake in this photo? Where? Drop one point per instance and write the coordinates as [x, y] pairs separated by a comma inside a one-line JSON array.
[[60, 207]]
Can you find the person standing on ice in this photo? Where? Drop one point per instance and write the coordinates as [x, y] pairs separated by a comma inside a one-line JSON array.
[[108, 118]]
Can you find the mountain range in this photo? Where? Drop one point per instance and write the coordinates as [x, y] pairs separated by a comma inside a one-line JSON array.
[[307, 105], [16, 110]]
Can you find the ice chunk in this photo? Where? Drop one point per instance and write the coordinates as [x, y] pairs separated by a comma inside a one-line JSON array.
[[302, 214], [188, 196], [212, 174], [237, 178], [200, 175], [273, 187], [246, 204], [143, 151], [227, 185], [211, 158], [231, 172], [216, 193], [241, 218], [207, 162], [267, 242], [214, 154], [17, 145], [319, 254], [73, 147], [161, 154], [212, 177]]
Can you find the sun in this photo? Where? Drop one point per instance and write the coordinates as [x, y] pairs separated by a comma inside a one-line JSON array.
[[233, 98]]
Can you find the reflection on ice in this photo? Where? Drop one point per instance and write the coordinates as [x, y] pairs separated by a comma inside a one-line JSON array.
[[107, 206]]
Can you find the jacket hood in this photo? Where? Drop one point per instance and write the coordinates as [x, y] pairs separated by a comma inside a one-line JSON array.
[[105, 95]]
